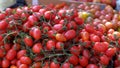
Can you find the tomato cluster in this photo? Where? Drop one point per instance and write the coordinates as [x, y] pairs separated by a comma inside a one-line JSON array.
[[65, 37]]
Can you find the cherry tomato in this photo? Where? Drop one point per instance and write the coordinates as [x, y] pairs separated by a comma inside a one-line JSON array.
[[11, 54], [23, 66], [37, 33], [59, 45], [66, 65], [73, 60], [83, 61], [21, 53], [54, 65], [28, 41], [75, 50], [50, 45], [70, 34], [110, 52], [37, 65], [3, 25], [60, 37], [104, 60], [5, 63], [13, 66], [92, 66], [25, 60], [37, 48]]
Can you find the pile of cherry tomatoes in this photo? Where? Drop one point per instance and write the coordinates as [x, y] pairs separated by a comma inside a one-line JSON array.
[[82, 36]]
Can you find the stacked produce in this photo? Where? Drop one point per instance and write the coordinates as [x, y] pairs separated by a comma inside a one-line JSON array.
[[60, 37]]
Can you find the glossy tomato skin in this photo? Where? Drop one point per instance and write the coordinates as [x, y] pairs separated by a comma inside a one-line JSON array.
[[50, 45], [5, 63], [83, 61], [70, 34], [73, 60], [32, 20], [2, 16], [78, 20], [78, 66], [37, 33], [110, 52], [66, 65], [3, 25], [28, 41], [37, 65], [23, 66], [104, 60], [21, 53], [54, 65], [37, 48], [92, 66], [60, 37], [11, 54], [2, 53], [25, 60], [7, 46], [86, 53], [75, 50], [59, 45]]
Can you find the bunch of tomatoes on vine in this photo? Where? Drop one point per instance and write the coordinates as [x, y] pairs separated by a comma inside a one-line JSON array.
[[60, 36]]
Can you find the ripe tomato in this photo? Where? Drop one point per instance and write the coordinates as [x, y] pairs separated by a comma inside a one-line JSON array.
[[37, 48], [11, 54], [62, 13], [3, 25], [51, 34], [36, 8], [25, 60], [26, 26], [7, 46], [86, 53], [5, 63], [73, 59], [83, 61], [58, 27], [13, 66], [78, 20], [78, 66], [104, 60], [13, 62], [75, 50], [101, 28], [49, 15], [89, 28], [32, 20], [60, 37], [110, 52], [2, 53], [37, 33], [16, 46], [50, 45], [54, 65], [2, 16], [92, 66], [94, 38], [101, 46], [28, 41], [66, 65], [36, 65], [59, 45], [70, 34], [21, 53], [72, 25], [23, 66], [85, 35]]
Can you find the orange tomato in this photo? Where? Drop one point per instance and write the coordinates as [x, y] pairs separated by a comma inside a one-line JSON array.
[[85, 36], [13, 66], [60, 37]]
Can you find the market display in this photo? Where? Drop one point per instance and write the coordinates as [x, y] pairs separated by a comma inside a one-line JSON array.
[[60, 36]]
